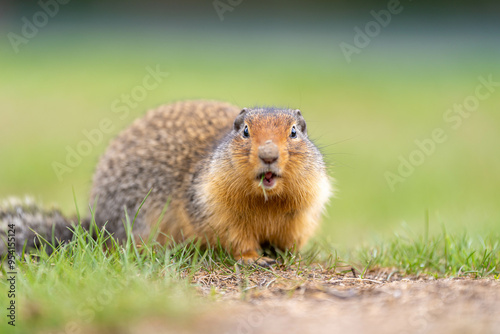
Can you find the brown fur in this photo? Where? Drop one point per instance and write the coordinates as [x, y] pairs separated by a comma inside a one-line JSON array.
[[194, 154]]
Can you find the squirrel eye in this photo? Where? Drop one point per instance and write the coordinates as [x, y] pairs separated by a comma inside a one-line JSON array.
[[246, 134], [293, 134]]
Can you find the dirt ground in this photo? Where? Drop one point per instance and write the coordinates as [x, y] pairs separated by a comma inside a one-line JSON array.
[[318, 301]]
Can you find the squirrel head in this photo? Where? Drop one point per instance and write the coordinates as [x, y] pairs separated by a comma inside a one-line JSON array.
[[272, 151]]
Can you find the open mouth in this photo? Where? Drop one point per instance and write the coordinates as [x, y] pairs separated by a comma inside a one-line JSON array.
[[268, 179]]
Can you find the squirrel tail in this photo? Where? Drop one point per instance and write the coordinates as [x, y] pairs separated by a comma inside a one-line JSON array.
[[24, 225]]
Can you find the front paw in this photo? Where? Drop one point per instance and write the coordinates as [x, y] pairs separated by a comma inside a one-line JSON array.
[[264, 261], [252, 258]]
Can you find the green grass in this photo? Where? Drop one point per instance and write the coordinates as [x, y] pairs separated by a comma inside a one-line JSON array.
[[97, 284], [439, 255]]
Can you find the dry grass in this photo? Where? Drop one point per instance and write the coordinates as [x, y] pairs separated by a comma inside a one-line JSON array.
[[315, 300], [321, 301]]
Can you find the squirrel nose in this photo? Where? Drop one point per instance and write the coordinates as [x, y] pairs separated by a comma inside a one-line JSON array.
[[269, 152]]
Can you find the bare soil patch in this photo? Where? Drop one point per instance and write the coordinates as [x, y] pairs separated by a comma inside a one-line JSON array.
[[319, 301], [314, 300]]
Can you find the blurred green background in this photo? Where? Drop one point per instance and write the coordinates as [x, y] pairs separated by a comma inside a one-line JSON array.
[[365, 113]]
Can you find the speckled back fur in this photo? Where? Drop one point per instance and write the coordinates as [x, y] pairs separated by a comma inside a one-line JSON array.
[[157, 152]]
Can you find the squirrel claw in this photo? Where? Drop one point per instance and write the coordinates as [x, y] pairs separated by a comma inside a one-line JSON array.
[[262, 261]]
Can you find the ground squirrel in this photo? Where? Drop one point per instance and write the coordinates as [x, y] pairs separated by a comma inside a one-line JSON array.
[[240, 177]]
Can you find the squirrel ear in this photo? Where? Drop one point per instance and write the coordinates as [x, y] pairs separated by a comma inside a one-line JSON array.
[[301, 122], [238, 122]]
